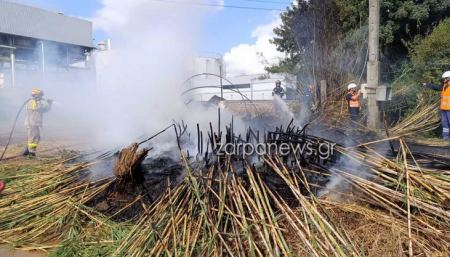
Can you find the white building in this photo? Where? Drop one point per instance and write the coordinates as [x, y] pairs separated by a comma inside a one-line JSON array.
[[206, 82], [42, 46]]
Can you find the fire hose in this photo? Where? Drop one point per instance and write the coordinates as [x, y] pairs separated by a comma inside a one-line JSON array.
[[13, 128]]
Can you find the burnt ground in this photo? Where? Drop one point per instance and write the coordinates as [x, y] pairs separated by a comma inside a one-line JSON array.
[[427, 149], [126, 199], [437, 157], [434, 153], [428, 156]]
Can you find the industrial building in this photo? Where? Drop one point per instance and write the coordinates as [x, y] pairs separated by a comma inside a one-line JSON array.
[[41, 45], [206, 82]]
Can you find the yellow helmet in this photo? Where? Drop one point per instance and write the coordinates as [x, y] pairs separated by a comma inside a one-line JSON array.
[[36, 92]]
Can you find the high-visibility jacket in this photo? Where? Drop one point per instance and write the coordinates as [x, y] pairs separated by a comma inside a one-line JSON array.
[[353, 101], [445, 98]]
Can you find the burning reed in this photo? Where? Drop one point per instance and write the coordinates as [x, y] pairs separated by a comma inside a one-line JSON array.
[[220, 208], [128, 161]]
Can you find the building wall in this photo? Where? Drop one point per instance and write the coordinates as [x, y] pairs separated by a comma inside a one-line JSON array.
[[28, 21], [39, 47], [206, 65], [30, 64]]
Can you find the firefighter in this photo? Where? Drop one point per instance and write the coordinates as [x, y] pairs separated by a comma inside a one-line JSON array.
[[445, 103], [354, 104], [278, 90], [33, 122]]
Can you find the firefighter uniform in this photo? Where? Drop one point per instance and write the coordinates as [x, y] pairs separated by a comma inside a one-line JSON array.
[[278, 90], [34, 120]]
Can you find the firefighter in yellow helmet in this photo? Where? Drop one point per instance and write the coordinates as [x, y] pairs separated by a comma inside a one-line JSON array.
[[33, 122]]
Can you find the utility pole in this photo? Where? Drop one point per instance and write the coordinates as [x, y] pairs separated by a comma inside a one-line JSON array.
[[13, 67], [373, 65], [221, 74], [43, 62]]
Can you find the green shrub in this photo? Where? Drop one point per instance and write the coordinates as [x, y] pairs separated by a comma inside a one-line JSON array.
[[431, 55]]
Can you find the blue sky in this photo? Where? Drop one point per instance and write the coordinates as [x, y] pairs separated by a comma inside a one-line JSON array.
[[230, 27], [221, 30]]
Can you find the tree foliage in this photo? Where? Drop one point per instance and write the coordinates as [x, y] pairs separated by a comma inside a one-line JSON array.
[[326, 24], [431, 55], [316, 43], [404, 21]]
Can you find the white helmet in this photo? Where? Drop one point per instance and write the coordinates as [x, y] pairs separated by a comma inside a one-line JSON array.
[[351, 86], [446, 75]]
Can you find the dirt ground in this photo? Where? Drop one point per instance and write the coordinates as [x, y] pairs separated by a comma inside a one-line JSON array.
[[6, 251]]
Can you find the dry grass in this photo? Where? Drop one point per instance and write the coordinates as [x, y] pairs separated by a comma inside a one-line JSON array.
[[371, 237], [423, 119], [400, 209]]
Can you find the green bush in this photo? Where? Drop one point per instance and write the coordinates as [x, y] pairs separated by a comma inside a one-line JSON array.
[[431, 55]]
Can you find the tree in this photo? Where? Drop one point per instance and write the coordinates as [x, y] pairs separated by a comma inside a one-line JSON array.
[[429, 58], [431, 55], [316, 44], [286, 40], [402, 22]]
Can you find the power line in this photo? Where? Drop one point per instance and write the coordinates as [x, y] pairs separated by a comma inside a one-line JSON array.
[[220, 5], [269, 2]]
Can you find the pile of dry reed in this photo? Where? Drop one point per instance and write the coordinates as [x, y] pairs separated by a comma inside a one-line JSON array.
[[219, 213], [423, 119]]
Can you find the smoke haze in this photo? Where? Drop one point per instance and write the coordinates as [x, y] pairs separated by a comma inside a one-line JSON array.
[[138, 87]]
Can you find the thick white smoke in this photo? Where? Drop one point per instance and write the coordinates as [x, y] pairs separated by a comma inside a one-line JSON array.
[[140, 85], [140, 89]]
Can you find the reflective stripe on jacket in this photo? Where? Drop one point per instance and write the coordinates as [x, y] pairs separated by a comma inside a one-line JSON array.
[[35, 112], [354, 104], [353, 101], [445, 98]]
